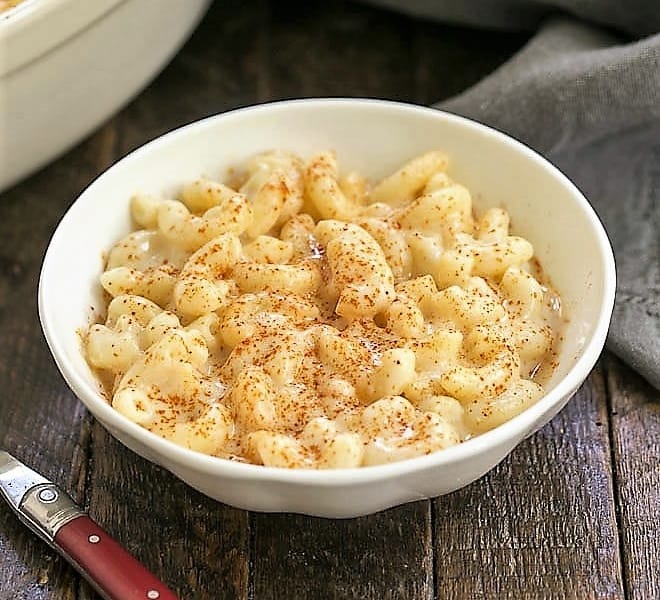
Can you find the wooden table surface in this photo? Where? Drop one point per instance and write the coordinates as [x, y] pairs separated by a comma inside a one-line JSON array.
[[571, 513]]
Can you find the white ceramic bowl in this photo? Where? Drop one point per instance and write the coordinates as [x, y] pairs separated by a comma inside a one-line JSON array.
[[373, 137], [66, 65]]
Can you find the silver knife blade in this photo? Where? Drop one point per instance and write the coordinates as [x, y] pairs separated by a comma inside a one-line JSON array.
[[38, 502], [16, 479]]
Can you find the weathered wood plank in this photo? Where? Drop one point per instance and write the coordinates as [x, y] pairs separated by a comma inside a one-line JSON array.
[[635, 423], [40, 420], [448, 60], [196, 545], [336, 49], [542, 523], [387, 555]]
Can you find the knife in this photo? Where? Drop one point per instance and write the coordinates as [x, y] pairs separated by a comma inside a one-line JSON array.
[[51, 513]]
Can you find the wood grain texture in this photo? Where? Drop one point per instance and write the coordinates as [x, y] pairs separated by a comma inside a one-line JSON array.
[[447, 60], [336, 49], [383, 556], [635, 424], [40, 419], [542, 523], [198, 547]]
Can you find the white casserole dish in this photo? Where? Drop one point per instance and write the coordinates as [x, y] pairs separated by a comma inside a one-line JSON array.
[[67, 65]]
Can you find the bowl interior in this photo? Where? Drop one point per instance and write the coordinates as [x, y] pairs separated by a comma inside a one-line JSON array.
[[369, 136]]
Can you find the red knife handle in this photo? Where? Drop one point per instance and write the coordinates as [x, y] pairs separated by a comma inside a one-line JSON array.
[[114, 573]]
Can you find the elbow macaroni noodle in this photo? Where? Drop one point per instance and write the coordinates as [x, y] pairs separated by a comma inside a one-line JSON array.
[[7, 4], [294, 317]]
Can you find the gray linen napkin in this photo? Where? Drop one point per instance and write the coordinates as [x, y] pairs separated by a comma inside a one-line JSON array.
[[590, 102], [638, 17], [592, 106]]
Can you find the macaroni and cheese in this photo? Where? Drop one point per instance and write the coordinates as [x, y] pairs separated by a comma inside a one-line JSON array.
[[7, 4], [297, 317]]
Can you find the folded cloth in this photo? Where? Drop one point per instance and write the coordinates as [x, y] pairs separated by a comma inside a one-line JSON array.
[[638, 17], [592, 106], [590, 102], [621, 178]]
